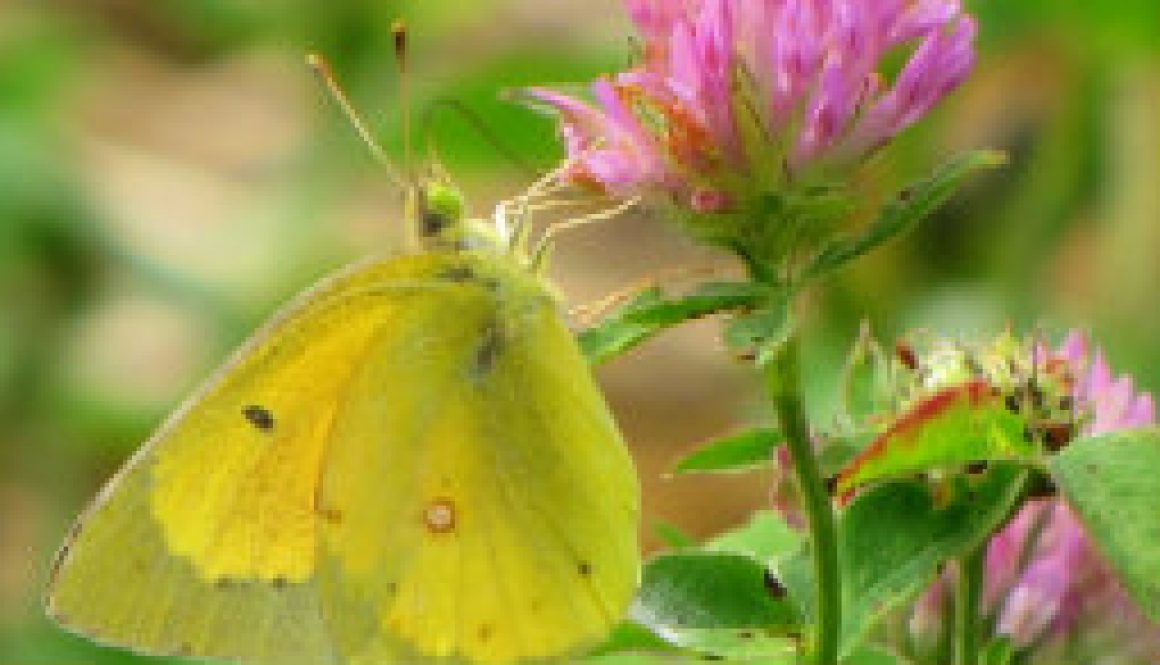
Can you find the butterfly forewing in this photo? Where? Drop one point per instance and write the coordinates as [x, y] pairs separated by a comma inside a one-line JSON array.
[[205, 543]]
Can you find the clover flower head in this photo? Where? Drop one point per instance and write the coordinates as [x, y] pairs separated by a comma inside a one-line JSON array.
[[734, 98], [1046, 586]]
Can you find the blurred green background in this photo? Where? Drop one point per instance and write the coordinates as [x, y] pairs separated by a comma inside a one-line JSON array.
[[170, 172]]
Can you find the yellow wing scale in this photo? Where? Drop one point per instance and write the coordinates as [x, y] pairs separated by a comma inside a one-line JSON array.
[[297, 509]]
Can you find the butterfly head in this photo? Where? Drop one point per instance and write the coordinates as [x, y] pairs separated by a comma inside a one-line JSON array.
[[435, 210]]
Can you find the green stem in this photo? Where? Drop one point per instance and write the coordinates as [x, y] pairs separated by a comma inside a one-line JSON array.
[[783, 382], [968, 588]]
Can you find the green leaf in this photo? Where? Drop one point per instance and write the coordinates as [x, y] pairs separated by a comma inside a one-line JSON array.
[[907, 209], [617, 334], [651, 311], [645, 658], [894, 539], [672, 535], [950, 429], [706, 590], [1113, 483], [741, 452], [765, 537], [619, 658], [717, 604], [750, 646], [629, 636], [836, 452], [870, 657], [708, 298], [633, 644], [999, 652]]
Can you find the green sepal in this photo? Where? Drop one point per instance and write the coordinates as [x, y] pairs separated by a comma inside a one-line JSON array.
[[905, 210]]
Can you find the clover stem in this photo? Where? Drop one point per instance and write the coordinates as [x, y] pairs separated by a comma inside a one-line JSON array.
[[968, 588], [780, 370]]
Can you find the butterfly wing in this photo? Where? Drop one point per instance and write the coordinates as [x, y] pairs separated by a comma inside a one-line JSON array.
[[482, 505], [205, 543]]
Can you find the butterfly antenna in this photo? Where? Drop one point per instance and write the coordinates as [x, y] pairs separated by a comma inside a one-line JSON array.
[[399, 33], [326, 76]]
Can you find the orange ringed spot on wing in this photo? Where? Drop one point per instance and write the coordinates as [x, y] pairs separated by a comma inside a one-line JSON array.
[[439, 516]]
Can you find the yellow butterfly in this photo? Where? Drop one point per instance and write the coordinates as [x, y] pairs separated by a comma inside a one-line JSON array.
[[411, 461]]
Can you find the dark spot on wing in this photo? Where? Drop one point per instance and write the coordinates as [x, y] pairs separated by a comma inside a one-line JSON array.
[[465, 274], [223, 583], [486, 630], [392, 588], [584, 568], [280, 583], [331, 515], [260, 417], [439, 516], [491, 345], [456, 274]]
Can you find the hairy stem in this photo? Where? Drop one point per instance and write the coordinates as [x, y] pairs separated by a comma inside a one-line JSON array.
[[783, 382]]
